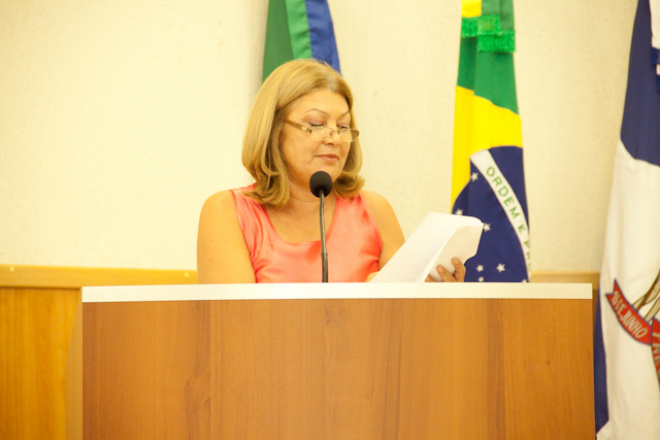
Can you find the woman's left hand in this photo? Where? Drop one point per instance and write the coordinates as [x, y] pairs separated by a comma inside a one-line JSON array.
[[457, 277]]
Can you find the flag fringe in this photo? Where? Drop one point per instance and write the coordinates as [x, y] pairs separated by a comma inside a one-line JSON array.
[[489, 33], [504, 42]]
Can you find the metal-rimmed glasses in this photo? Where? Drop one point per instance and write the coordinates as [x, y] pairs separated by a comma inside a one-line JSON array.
[[322, 132]]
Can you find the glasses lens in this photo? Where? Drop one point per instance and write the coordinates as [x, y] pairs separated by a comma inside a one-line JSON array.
[[322, 133], [348, 135]]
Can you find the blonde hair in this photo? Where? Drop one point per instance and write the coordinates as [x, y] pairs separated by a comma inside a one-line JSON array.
[[261, 150]]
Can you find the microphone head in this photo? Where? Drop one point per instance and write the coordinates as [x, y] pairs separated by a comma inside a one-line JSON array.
[[320, 182]]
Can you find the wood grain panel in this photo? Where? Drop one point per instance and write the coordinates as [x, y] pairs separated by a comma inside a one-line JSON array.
[[146, 370], [458, 343], [74, 379], [549, 369], [50, 277], [37, 310], [561, 276], [397, 369], [306, 369], [263, 362], [35, 326], [15, 275], [571, 277]]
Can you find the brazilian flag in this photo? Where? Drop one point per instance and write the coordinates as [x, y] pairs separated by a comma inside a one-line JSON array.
[[487, 177], [299, 29]]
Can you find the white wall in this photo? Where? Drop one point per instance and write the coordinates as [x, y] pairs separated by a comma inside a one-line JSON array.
[[118, 118]]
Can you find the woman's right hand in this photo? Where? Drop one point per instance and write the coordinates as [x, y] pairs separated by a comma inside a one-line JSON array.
[[457, 277]]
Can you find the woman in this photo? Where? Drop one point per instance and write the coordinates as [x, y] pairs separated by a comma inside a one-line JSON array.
[[301, 122]]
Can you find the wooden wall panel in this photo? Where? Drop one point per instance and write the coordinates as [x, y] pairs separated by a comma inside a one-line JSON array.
[[35, 327]]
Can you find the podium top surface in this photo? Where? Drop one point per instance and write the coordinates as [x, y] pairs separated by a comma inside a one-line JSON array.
[[234, 292]]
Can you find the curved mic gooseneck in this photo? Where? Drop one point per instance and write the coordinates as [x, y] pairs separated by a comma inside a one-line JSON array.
[[320, 184]]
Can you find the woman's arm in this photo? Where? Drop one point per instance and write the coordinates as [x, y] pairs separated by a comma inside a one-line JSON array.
[[222, 256], [393, 239], [388, 225]]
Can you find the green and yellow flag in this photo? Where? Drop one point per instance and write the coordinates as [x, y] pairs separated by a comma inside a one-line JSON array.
[[488, 177]]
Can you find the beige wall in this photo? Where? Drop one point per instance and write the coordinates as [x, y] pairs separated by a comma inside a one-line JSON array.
[[118, 118]]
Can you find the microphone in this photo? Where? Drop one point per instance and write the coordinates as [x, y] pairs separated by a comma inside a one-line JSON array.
[[320, 184]]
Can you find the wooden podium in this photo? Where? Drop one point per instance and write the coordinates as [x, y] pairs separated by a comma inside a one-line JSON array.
[[332, 361]]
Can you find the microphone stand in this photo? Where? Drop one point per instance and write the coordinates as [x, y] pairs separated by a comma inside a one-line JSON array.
[[324, 251], [320, 184]]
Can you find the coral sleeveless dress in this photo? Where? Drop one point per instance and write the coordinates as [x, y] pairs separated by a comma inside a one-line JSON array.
[[353, 243]]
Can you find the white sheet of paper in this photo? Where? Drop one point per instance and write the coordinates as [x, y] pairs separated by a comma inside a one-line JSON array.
[[438, 239]]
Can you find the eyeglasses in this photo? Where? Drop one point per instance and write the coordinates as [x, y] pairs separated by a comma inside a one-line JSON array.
[[322, 132]]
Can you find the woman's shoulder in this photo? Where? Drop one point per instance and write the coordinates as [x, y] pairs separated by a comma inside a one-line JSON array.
[[376, 203], [222, 255], [381, 210], [220, 201], [226, 199]]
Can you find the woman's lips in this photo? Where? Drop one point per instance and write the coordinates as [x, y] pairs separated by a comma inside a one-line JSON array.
[[328, 157]]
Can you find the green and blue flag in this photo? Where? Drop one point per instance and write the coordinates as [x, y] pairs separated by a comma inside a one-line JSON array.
[[299, 29]]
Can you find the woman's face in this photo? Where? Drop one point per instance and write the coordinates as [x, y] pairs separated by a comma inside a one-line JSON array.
[[302, 154]]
